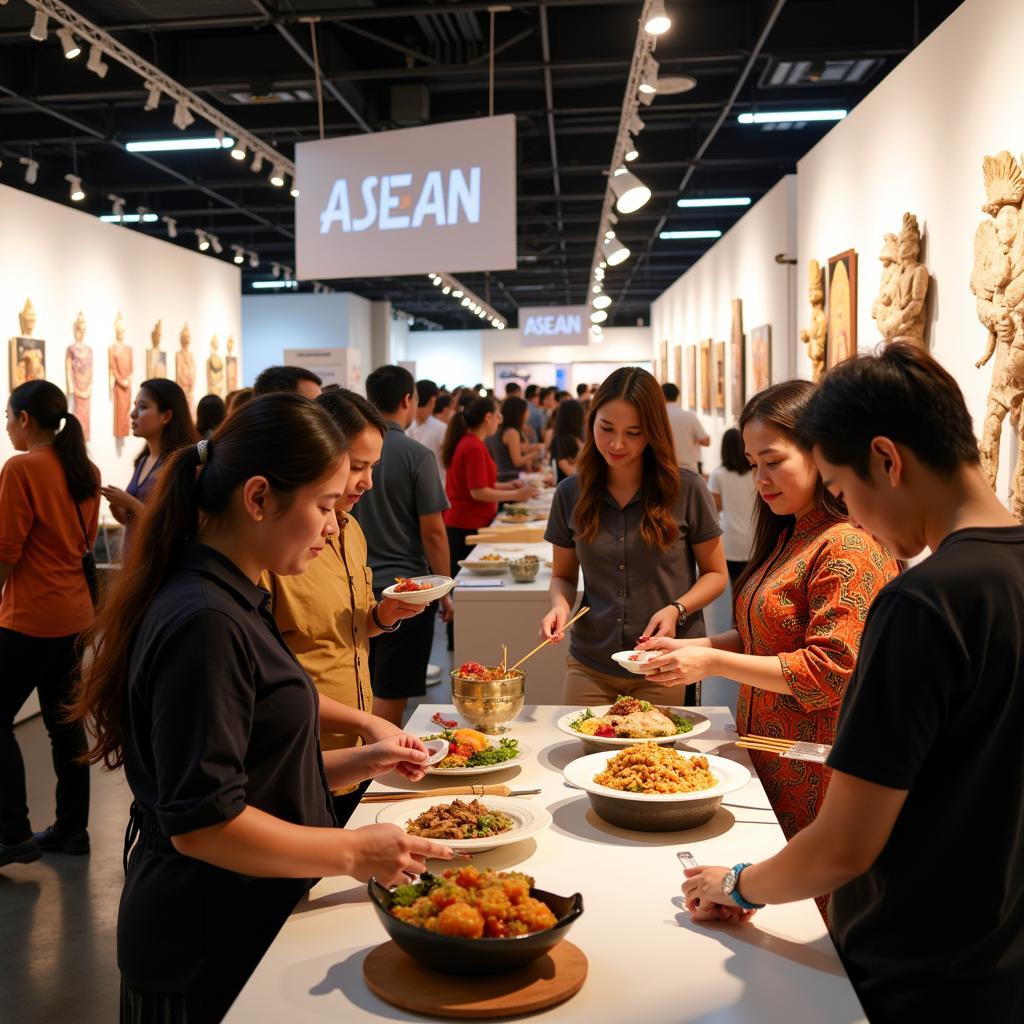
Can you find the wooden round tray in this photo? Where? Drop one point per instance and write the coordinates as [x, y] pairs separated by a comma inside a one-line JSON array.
[[402, 982]]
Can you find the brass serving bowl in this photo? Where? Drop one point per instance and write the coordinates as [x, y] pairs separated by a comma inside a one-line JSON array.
[[489, 704]]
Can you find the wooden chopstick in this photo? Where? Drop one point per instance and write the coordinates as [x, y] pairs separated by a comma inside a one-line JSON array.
[[771, 741], [376, 798], [579, 615]]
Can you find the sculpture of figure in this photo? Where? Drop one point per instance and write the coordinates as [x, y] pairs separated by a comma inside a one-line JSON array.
[[815, 337], [120, 363], [903, 317], [156, 359], [890, 259], [215, 370], [185, 366], [27, 354], [997, 282], [78, 375], [231, 366]]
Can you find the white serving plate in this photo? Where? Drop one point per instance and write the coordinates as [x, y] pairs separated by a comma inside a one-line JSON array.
[[524, 753], [479, 568], [636, 667], [701, 723], [530, 818], [441, 586], [730, 775]]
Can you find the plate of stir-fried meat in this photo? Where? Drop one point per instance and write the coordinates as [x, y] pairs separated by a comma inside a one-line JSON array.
[[468, 824], [630, 720]]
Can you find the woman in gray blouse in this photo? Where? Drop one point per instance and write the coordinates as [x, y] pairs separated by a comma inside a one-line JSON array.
[[646, 535]]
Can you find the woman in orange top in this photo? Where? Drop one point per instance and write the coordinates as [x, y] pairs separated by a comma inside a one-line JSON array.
[[49, 504], [800, 608]]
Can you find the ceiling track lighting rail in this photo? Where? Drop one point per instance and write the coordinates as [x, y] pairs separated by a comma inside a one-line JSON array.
[[459, 293]]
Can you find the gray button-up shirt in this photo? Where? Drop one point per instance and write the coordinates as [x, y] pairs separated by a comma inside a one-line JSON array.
[[624, 581]]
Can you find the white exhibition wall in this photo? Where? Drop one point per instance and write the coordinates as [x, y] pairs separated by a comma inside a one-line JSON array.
[[741, 265], [68, 261], [916, 144]]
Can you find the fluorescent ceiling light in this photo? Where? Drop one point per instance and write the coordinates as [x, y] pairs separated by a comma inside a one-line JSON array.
[[69, 43], [614, 252], [129, 218], [178, 145], [789, 116], [630, 192], [39, 26], [694, 204], [275, 284], [658, 22], [669, 236]]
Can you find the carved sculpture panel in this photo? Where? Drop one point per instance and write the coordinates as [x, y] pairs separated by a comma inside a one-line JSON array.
[[816, 336], [899, 310]]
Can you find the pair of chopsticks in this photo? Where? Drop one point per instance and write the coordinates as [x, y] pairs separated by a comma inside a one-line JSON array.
[[766, 744], [409, 794], [579, 615]]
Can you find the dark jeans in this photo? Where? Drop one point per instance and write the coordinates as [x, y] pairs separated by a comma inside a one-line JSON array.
[[49, 665], [459, 550], [399, 660]]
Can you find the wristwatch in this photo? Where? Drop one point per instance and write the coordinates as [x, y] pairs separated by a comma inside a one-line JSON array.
[[731, 888], [683, 613]]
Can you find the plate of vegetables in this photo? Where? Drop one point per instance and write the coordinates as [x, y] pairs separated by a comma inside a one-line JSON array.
[[472, 753]]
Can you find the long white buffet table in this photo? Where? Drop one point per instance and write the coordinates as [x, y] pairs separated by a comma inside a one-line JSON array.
[[648, 961]]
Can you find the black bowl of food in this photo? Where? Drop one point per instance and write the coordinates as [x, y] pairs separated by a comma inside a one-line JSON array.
[[437, 921]]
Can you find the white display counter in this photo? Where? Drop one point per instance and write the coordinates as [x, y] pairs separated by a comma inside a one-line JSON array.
[[648, 960]]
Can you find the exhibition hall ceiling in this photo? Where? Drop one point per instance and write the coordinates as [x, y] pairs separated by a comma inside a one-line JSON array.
[[560, 67]]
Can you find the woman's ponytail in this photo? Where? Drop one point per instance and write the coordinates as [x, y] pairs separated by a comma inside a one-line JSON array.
[[462, 423]]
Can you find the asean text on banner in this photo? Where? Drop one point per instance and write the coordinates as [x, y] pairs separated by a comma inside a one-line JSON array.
[[554, 325], [437, 198]]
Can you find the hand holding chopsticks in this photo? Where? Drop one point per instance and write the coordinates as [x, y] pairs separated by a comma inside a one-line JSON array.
[[579, 615]]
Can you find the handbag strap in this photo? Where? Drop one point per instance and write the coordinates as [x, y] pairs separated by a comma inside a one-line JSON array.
[[81, 522]]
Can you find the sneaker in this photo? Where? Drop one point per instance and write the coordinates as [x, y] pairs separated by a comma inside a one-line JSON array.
[[433, 675], [52, 841], [19, 853]]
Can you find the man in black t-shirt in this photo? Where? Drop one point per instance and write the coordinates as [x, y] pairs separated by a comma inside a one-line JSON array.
[[921, 835]]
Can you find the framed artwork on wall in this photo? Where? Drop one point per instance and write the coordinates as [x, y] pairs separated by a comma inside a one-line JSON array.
[[677, 376], [691, 377], [760, 357], [842, 307], [738, 364], [720, 376], [663, 369], [705, 375]]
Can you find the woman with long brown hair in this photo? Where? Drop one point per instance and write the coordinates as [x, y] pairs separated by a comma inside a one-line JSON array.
[[194, 692], [800, 604], [640, 528]]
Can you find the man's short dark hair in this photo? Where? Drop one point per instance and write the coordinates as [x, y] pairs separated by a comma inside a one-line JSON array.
[[442, 403], [512, 388], [426, 390], [901, 393], [670, 391], [282, 378], [546, 392], [387, 386], [581, 390], [532, 391]]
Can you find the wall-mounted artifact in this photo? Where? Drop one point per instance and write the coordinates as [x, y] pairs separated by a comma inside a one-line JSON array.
[[761, 357], [720, 376], [78, 376], [816, 336], [997, 281], [156, 358], [119, 357], [27, 354], [677, 376], [899, 310], [691, 377], [842, 307], [185, 366], [739, 377], [663, 367], [231, 366], [215, 370], [705, 375]]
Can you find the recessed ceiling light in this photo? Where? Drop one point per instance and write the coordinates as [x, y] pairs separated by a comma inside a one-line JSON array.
[[669, 236], [791, 116], [694, 204]]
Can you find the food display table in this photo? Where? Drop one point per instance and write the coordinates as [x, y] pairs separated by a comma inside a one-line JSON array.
[[647, 960], [487, 616]]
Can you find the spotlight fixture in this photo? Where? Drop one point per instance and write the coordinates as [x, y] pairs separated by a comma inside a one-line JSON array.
[[457, 294], [117, 204], [40, 25], [599, 316], [288, 273], [293, 192], [599, 272], [609, 235], [596, 289], [238, 150], [31, 169], [76, 192], [649, 78], [254, 260], [172, 226], [239, 256], [602, 302], [695, 204], [215, 242], [257, 163], [615, 252], [182, 115], [791, 116], [597, 333], [658, 22], [277, 176], [275, 269], [631, 151], [636, 125], [630, 192], [96, 63], [152, 96], [69, 43], [446, 290], [202, 241]]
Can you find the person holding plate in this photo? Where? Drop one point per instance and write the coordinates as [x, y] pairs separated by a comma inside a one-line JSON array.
[[640, 528]]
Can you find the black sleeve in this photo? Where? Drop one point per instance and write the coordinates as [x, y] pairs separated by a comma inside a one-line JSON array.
[[202, 691], [907, 679], [702, 518], [559, 532]]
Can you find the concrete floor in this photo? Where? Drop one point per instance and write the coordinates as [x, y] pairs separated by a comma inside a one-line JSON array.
[[58, 915]]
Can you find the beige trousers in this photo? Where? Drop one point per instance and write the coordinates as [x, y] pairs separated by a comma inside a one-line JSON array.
[[586, 687]]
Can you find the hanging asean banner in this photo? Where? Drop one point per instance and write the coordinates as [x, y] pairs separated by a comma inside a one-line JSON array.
[[414, 201], [554, 325]]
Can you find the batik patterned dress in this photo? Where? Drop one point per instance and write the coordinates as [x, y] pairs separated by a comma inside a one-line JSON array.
[[807, 606]]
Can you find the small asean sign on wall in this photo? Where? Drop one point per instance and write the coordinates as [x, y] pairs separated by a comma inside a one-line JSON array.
[[414, 201], [554, 325]]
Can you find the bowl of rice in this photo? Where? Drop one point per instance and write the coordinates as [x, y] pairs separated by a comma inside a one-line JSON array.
[[652, 788]]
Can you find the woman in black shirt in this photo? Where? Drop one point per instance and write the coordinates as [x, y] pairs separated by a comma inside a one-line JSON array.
[[568, 439], [195, 693]]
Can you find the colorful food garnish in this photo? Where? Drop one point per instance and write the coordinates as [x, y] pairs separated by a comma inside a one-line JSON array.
[[474, 670], [466, 751], [445, 723], [472, 904], [629, 718]]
